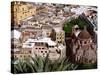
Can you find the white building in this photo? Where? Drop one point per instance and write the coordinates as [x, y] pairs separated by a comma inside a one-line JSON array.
[[45, 46]]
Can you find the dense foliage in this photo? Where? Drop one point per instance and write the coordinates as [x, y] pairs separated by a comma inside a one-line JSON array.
[[42, 65], [68, 25]]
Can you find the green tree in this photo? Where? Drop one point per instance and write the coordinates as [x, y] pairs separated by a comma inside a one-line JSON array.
[[80, 22]]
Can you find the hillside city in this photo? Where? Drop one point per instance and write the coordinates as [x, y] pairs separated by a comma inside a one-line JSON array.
[[55, 31]]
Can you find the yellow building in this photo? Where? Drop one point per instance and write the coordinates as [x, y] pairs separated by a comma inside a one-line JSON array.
[[21, 11], [60, 35]]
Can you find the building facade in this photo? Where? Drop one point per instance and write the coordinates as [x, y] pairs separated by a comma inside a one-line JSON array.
[[84, 48], [21, 11]]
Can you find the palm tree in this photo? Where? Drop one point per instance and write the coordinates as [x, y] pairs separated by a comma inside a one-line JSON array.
[[40, 64]]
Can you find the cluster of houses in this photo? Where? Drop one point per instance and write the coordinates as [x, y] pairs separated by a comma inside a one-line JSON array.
[[39, 35], [38, 31]]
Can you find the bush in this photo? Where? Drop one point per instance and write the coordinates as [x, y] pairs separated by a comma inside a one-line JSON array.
[[68, 25], [42, 65]]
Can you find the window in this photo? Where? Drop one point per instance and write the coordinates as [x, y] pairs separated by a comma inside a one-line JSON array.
[[41, 43], [42, 48], [52, 46], [57, 37], [35, 24], [49, 46], [45, 51], [47, 33], [29, 51], [37, 44], [29, 44], [41, 51], [36, 48], [80, 42]]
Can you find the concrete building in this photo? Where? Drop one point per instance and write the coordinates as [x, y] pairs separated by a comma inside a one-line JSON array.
[[43, 46], [22, 54], [30, 32], [34, 24], [41, 49], [21, 11], [46, 31]]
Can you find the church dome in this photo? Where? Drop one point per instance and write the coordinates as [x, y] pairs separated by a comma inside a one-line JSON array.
[[84, 34]]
